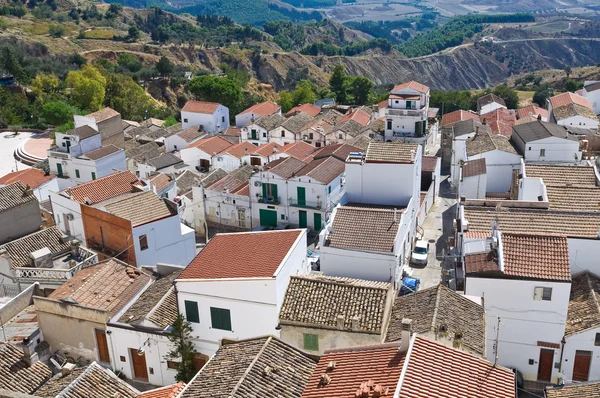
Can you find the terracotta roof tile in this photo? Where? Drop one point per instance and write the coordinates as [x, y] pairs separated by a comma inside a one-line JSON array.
[[562, 175], [260, 252], [263, 108], [532, 110], [82, 132], [139, 208], [364, 228], [569, 98], [489, 99], [240, 150], [101, 152], [429, 163], [317, 301], [270, 121], [439, 308], [458, 116], [474, 168], [485, 142], [309, 109], [500, 121], [200, 107], [190, 134], [340, 151], [14, 195], [566, 105], [361, 142], [592, 86], [32, 177], [96, 381], [574, 198], [298, 149], [171, 391], [587, 389], [58, 383], [267, 150], [264, 367], [106, 286], [536, 256], [435, 370], [285, 167], [103, 114], [358, 115], [584, 307], [391, 152], [233, 131], [381, 363], [412, 85], [481, 263], [19, 249], [103, 188], [161, 180], [323, 170], [166, 312], [16, 375], [187, 180], [212, 145]]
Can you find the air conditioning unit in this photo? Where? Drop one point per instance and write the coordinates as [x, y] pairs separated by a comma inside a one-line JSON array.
[[257, 183], [70, 217], [64, 162]]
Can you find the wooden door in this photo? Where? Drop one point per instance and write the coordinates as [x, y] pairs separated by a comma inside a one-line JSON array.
[[545, 365], [301, 196], [102, 346], [140, 371], [303, 219], [581, 366]]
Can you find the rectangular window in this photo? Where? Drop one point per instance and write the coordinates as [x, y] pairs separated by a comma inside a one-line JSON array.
[[389, 125], [270, 192], [282, 133], [341, 136], [185, 120], [143, 242], [222, 119], [542, 152], [264, 135], [311, 342], [597, 340], [542, 293], [283, 216], [93, 175], [191, 311], [172, 365], [310, 135], [76, 173], [329, 189], [220, 318], [318, 144]]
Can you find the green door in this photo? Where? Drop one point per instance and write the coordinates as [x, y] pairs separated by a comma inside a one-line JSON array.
[[408, 104], [268, 218], [68, 146], [301, 196], [317, 222], [302, 215], [59, 169]]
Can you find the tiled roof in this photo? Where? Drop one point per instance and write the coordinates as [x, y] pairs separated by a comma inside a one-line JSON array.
[[96, 381], [106, 286], [213, 177], [566, 105], [152, 121], [296, 123], [457, 116], [405, 96], [468, 126], [145, 152], [101, 152], [230, 183], [590, 389], [584, 306], [298, 149], [532, 110], [190, 134], [358, 227], [486, 142], [103, 114], [233, 131], [103, 188], [569, 98], [349, 127], [353, 366], [574, 198], [412, 85], [139, 208], [488, 99], [439, 308], [474, 168], [58, 383], [539, 130], [437, 371], [340, 151], [429, 163], [270, 121], [32, 177], [16, 375], [187, 180], [571, 224], [391, 152], [46, 205], [323, 170], [267, 150], [263, 108], [562, 175], [165, 313], [171, 391], [260, 252], [309, 109], [263, 367], [240, 150], [358, 115], [285, 167], [482, 263], [317, 301], [14, 195], [165, 160], [161, 180], [592, 86], [319, 126], [212, 145], [19, 249], [500, 121], [82, 132], [149, 299], [361, 142], [200, 107]]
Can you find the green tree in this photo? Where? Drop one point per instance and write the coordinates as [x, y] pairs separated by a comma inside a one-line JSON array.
[[542, 94], [509, 96], [45, 86], [129, 62], [133, 33], [164, 66], [572, 85], [216, 89], [336, 84], [57, 112], [77, 59], [304, 93], [183, 349], [56, 30], [568, 71], [10, 63], [88, 88], [360, 88], [170, 121], [285, 101], [127, 97]]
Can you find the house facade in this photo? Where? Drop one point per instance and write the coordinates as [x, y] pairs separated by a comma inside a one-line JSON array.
[[255, 112], [406, 111], [568, 109], [40, 182], [591, 91], [545, 142], [489, 103], [107, 122], [207, 116], [19, 212], [200, 155]]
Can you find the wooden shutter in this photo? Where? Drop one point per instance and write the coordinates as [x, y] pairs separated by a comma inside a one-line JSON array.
[[311, 342], [191, 311], [220, 318]]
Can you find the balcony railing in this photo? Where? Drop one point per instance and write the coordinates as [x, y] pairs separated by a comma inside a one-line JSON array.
[[274, 200], [306, 204], [55, 152], [56, 274], [405, 112]]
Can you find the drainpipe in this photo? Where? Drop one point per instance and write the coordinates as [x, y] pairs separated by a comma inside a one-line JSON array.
[[562, 351]]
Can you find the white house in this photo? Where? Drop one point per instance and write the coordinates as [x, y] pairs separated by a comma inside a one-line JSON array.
[[291, 192], [568, 109], [454, 144], [201, 154], [289, 131], [531, 112], [41, 183], [245, 153], [488, 103], [591, 91], [255, 112], [406, 111], [207, 116], [107, 121], [223, 300], [183, 139], [500, 156], [257, 131], [545, 142], [79, 157], [163, 185], [166, 163], [473, 179], [137, 335], [525, 280]]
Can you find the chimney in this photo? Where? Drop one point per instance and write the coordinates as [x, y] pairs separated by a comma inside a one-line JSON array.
[[395, 215], [340, 322], [477, 130], [324, 380], [355, 324], [413, 155], [87, 201], [75, 248], [539, 117], [406, 335], [484, 122]]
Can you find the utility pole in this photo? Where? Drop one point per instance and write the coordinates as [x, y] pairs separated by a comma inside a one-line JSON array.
[[497, 337]]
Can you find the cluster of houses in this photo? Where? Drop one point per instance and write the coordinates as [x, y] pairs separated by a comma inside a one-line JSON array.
[[302, 295]]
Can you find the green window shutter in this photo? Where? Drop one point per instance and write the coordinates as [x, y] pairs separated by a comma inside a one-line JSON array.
[[220, 318], [93, 175], [274, 191], [76, 173], [264, 189], [329, 189], [311, 342], [191, 311]]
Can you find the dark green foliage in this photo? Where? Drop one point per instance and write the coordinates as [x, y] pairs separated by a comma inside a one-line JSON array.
[[57, 112], [509, 96], [183, 351], [321, 48], [56, 30], [129, 62], [451, 101], [164, 66], [217, 89], [572, 85], [15, 11], [541, 95]]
